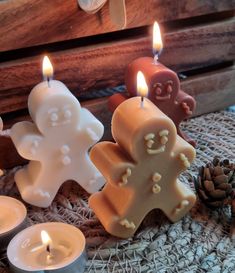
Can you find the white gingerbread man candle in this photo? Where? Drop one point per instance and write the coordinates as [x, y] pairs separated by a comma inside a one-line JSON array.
[[141, 168], [57, 144]]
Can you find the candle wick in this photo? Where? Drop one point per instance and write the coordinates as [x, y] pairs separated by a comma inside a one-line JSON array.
[[48, 82], [142, 102], [155, 59], [48, 249]]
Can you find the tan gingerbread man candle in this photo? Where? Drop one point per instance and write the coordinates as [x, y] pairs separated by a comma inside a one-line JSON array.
[[141, 169]]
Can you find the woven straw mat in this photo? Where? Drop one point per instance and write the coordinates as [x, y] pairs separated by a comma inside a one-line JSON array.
[[200, 242]]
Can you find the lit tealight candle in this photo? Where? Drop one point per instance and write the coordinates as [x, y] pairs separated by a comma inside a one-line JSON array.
[[48, 247], [12, 219], [57, 142]]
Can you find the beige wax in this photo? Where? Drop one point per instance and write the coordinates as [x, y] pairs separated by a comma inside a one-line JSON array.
[[141, 169]]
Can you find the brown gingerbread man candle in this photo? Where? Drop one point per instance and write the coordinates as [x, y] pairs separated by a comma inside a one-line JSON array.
[[141, 169], [164, 88]]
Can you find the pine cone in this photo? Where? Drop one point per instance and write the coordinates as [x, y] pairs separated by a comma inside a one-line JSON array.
[[215, 183]]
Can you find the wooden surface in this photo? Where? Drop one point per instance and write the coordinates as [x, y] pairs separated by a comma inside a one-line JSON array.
[[212, 91], [25, 23], [103, 65]]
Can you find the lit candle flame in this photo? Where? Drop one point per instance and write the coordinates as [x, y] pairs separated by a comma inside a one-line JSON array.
[[157, 40], [47, 68], [142, 87], [46, 240]]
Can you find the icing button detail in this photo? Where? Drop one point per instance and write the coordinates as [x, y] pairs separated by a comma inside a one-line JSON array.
[[65, 149], [66, 160], [156, 188], [156, 177]]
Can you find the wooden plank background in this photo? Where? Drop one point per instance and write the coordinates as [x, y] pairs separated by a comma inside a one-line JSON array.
[[26, 23], [84, 69]]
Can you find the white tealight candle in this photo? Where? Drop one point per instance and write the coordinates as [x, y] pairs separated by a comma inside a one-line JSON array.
[[48, 247], [12, 219]]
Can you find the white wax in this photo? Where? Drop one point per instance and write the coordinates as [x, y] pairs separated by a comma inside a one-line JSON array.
[[12, 214], [27, 252], [57, 144]]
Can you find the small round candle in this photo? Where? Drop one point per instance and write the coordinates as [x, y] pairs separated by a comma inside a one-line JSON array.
[[48, 247], [12, 219]]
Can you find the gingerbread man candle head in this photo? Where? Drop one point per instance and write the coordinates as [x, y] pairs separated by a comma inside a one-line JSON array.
[[141, 169], [57, 144], [56, 110]]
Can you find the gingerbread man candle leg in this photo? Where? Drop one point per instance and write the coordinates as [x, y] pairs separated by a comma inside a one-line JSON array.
[[36, 193], [182, 200]]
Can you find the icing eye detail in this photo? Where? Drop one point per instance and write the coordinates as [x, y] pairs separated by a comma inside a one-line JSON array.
[[158, 91], [158, 88], [169, 89], [67, 114], [53, 117]]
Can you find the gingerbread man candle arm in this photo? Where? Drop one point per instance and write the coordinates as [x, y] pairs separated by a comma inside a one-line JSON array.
[[111, 162], [115, 100], [183, 155], [187, 103], [26, 139], [92, 127]]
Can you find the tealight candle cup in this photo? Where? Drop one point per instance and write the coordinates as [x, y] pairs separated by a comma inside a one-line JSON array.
[[63, 252], [12, 219]]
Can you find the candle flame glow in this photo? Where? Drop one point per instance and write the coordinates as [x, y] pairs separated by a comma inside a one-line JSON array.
[[46, 239], [47, 68], [157, 39], [142, 87]]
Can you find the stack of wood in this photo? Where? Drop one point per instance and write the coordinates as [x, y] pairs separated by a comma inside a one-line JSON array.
[[88, 53]]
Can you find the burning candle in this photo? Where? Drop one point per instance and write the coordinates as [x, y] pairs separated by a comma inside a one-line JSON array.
[[48, 247], [141, 168], [57, 143], [12, 219], [164, 86]]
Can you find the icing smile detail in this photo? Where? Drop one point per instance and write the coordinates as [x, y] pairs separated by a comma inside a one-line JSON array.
[[163, 98]]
